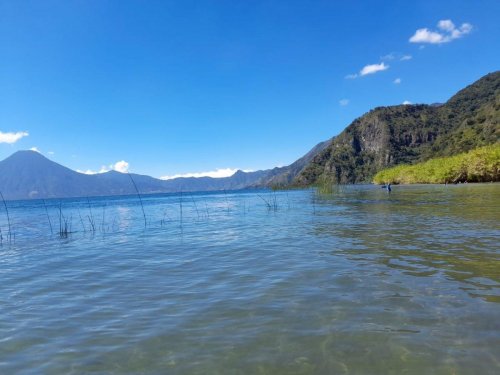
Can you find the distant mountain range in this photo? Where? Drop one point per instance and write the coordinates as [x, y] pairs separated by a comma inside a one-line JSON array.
[[383, 137], [30, 175]]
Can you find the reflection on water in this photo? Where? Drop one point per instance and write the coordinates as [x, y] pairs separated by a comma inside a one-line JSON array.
[[358, 282]]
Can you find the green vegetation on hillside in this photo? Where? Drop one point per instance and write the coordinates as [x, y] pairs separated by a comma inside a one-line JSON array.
[[479, 165]]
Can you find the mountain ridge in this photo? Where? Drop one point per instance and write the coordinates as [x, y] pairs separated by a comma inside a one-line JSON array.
[[28, 174]]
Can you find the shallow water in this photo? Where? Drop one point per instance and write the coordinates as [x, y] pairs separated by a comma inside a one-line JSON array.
[[357, 282]]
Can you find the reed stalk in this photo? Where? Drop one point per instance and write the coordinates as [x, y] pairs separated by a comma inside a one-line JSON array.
[[81, 221], [8, 216], [91, 217], [48, 216], [227, 202], [206, 208], [140, 199], [103, 225], [196, 207], [180, 207]]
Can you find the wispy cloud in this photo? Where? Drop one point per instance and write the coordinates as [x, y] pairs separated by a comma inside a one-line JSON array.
[[389, 56], [344, 102], [446, 33], [220, 172], [120, 166], [368, 69], [396, 56], [51, 152], [35, 149], [373, 68], [11, 137], [397, 81], [407, 102]]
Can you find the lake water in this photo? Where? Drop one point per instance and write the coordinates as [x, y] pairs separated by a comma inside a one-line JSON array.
[[356, 282]]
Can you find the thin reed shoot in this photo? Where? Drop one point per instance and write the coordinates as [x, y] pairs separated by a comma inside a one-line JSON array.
[[8, 217], [140, 199], [48, 216]]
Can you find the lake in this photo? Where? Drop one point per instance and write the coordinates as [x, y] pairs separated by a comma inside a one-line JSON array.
[[254, 282]]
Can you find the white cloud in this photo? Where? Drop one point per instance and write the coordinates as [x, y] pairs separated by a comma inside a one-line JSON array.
[[220, 172], [407, 102], [344, 102], [12, 137], [397, 81], [427, 36], [368, 69], [51, 152], [406, 57], [120, 166], [373, 68], [448, 32], [35, 149]]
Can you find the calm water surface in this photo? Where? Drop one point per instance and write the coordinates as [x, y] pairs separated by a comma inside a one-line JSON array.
[[357, 282]]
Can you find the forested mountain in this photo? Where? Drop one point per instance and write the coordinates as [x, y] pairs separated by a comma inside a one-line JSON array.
[[388, 136]]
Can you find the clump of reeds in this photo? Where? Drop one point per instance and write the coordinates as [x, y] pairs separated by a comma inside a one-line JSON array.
[[325, 185], [64, 224], [271, 203]]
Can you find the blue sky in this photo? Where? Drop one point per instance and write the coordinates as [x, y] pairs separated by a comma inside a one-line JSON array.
[[173, 87]]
